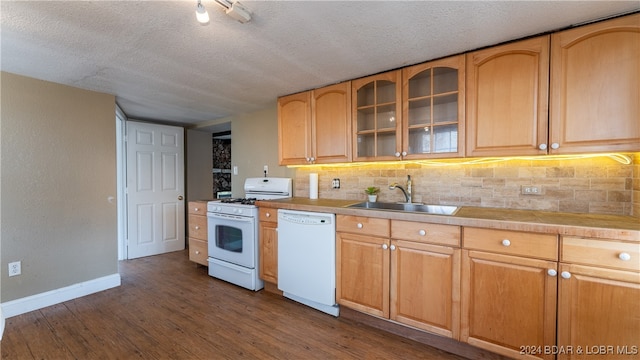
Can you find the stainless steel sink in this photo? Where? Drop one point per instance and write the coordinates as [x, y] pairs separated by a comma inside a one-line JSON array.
[[409, 207]]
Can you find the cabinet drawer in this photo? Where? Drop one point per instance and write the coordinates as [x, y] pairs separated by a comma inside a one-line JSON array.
[[268, 214], [601, 252], [362, 225], [197, 227], [535, 245], [424, 232], [198, 207], [198, 251]]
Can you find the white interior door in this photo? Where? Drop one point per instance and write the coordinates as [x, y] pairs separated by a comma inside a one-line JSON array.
[[155, 189]]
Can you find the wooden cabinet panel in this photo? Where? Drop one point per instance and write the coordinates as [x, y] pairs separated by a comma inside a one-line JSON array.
[[294, 129], [507, 99], [197, 227], [268, 214], [363, 273], [425, 291], [508, 302], [198, 251], [331, 123], [595, 87], [598, 307], [544, 246], [599, 252], [197, 233], [268, 241], [362, 225], [426, 233]]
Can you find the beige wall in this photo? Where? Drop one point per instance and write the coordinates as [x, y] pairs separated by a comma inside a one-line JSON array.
[[199, 164], [593, 185], [58, 162], [255, 144]]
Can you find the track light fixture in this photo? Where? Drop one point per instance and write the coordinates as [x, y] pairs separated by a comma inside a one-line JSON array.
[[201, 14], [234, 9]]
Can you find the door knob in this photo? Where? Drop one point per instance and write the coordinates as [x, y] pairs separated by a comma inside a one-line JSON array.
[[179, 197]]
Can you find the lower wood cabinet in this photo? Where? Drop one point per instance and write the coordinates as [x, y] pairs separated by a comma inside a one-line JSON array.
[[508, 297], [406, 276], [599, 299], [268, 244], [197, 232]]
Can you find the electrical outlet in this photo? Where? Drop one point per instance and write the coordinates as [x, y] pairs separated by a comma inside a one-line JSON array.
[[15, 268], [335, 183], [531, 190], [266, 169]]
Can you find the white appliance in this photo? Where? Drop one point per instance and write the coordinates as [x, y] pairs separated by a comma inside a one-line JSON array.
[[307, 258], [233, 231]]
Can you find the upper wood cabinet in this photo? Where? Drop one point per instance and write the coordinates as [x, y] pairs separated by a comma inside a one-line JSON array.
[[377, 116], [507, 97], [294, 129], [595, 87], [315, 126], [433, 111]]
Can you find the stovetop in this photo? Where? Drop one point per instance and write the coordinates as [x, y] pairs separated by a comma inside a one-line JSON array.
[[242, 201]]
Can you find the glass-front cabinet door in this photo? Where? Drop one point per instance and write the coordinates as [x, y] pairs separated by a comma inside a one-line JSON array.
[[433, 109], [377, 117]]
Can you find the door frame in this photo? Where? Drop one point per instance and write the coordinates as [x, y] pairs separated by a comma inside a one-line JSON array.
[[121, 174]]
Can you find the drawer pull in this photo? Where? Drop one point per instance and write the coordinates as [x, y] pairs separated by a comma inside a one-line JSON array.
[[268, 215], [196, 209], [552, 272], [422, 232], [565, 275], [624, 256], [359, 225], [384, 247], [197, 227], [506, 242]]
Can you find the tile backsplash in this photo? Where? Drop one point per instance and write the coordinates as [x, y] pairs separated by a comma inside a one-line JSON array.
[[597, 185]]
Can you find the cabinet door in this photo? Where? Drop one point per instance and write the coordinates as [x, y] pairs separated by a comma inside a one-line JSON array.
[[433, 109], [425, 287], [507, 99], [508, 303], [331, 123], [268, 239], [377, 117], [598, 307], [595, 87], [294, 129], [362, 272]]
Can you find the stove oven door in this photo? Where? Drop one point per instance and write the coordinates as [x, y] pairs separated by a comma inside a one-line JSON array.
[[232, 239]]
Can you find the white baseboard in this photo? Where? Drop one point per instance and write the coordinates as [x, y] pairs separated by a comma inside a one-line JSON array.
[[42, 300]]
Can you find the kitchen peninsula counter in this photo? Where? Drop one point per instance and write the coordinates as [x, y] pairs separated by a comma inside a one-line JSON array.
[[571, 224]]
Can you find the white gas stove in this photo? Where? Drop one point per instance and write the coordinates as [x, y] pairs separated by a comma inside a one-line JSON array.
[[233, 231]]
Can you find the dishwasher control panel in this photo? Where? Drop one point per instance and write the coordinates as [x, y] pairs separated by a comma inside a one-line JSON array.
[[306, 219]]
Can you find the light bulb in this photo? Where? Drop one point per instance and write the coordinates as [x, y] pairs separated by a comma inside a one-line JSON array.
[[201, 14]]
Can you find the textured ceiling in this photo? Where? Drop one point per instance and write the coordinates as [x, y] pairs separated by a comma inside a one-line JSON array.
[[161, 64]]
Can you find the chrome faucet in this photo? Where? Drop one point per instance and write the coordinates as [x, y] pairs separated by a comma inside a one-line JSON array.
[[407, 193]]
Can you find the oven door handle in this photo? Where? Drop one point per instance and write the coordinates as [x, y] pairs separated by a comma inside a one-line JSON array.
[[230, 217]]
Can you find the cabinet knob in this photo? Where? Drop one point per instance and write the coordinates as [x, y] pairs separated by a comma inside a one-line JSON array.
[[555, 146], [197, 227], [552, 272], [385, 246], [565, 275], [397, 154], [268, 215], [196, 209], [313, 159], [404, 153], [506, 242], [542, 146], [624, 256], [197, 252], [422, 232], [359, 225], [392, 247]]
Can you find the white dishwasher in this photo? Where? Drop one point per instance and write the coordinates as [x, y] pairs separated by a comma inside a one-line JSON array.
[[307, 258]]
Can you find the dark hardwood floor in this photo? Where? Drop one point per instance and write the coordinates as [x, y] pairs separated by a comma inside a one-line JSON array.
[[169, 308]]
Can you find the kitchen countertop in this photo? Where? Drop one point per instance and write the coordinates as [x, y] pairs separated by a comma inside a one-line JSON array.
[[570, 224]]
